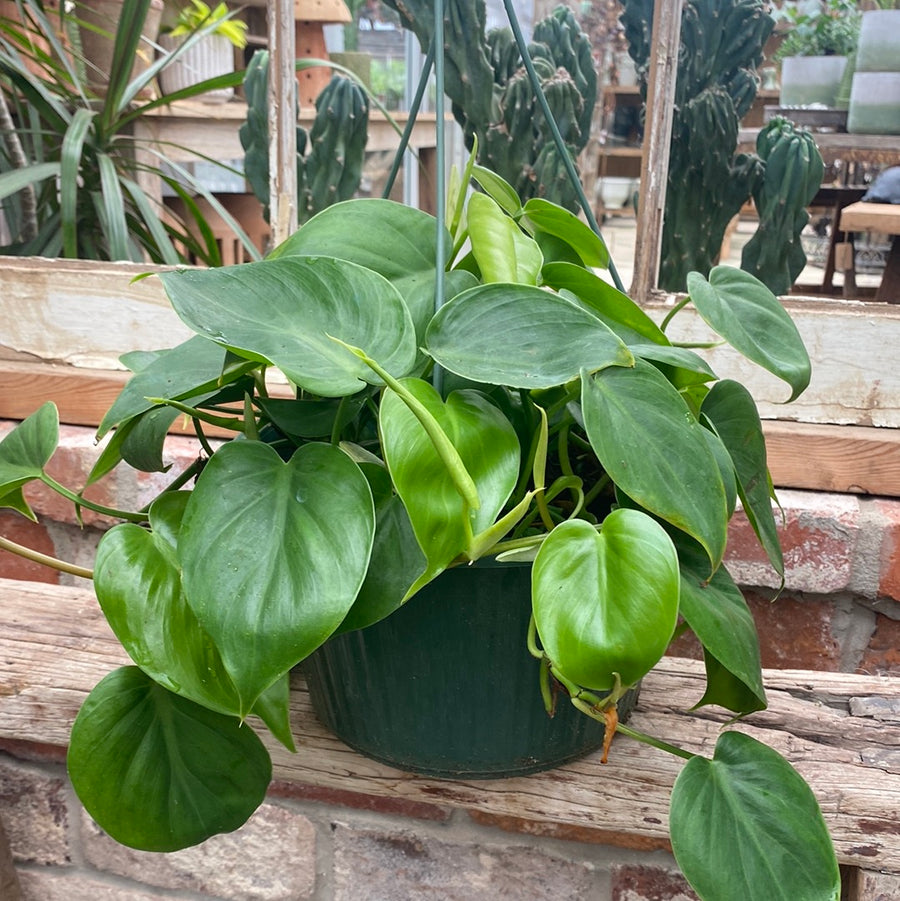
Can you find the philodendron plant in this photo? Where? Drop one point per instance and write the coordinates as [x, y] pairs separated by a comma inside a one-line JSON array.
[[539, 414]]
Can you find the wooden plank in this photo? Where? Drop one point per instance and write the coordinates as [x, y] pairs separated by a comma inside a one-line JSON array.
[[841, 731], [833, 458], [660, 109], [877, 217]]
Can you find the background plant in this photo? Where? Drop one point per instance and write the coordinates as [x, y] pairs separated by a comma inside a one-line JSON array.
[[819, 27], [329, 157], [494, 101], [68, 163], [707, 181], [219, 21]]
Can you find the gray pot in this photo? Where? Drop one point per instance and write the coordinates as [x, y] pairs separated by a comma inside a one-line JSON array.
[[808, 80], [210, 56]]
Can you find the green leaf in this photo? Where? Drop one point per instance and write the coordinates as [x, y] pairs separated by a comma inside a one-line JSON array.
[[194, 367], [488, 447], [682, 367], [286, 311], [522, 337], [655, 450], [13, 181], [396, 241], [24, 453], [732, 411], [504, 253], [158, 772], [554, 220], [750, 317], [273, 555], [718, 615], [138, 584], [610, 305], [746, 818], [606, 602], [500, 190], [69, 180]]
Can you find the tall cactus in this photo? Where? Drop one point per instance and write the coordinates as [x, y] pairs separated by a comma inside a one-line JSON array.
[[332, 169], [793, 174], [721, 46], [492, 97]]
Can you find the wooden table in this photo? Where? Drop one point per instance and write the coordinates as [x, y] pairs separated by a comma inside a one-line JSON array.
[[883, 218], [191, 131]]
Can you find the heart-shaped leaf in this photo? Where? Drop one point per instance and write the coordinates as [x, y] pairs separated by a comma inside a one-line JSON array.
[[498, 188], [606, 602], [24, 453], [488, 447], [655, 450], [504, 253], [555, 220], [286, 311], [718, 615], [158, 772], [522, 337], [747, 818], [732, 411], [613, 307], [273, 554], [752, 320]]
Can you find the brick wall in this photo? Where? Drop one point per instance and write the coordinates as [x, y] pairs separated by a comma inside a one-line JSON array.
[[840, 611]]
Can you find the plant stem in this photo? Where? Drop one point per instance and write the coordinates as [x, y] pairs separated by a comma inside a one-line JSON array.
[[654, 742], [670, 315], [80, 501], [45, 560], [177, 482]]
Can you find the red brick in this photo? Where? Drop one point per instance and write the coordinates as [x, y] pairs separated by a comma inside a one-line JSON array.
[[17, 528], [882, 656], [818, 540], [793, 633], [643, 883], [889, 562]]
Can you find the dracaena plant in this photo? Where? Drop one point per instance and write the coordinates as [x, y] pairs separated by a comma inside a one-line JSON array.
[[71, 166], [539, 413]]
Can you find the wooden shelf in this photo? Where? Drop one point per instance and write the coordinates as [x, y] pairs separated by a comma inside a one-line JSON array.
[[839, 730]]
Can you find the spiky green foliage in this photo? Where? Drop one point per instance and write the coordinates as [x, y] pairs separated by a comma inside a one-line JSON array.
[[493, 100], [332, 169]]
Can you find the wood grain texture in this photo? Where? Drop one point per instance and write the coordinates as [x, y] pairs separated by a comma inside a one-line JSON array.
[[841, 731]]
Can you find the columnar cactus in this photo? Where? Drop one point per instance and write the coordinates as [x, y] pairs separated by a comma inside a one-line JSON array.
[[492, 97], [793, 174], [332, 169]]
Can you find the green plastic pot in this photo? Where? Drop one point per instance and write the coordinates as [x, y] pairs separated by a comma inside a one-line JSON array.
[[445, 686]]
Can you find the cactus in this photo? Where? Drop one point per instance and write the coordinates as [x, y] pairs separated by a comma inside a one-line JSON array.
[[492, 97], [793, 174], [721, 46], [332, 168]]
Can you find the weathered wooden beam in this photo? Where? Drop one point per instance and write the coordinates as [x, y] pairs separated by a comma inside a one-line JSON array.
[[841, 731]]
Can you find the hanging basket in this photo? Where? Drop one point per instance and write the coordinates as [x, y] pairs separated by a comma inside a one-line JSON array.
[[446, 687]]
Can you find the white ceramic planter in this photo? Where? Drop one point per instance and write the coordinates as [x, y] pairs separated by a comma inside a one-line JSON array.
[[808, 80], [211, 56], [875, 104], [879, 41]]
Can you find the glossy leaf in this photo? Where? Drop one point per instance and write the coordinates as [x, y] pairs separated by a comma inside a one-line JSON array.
[[606, 602], [750, 317], [732, 411], [193, 367], [681, 366], [653, 448], [555, 220], [504, 253], [488, 448], [746, 818], [158, 772], [286, 311], [718, 615], [273, 554], [613, 307], [396, 241], [24, 453], [522, 337], [497, 188]]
